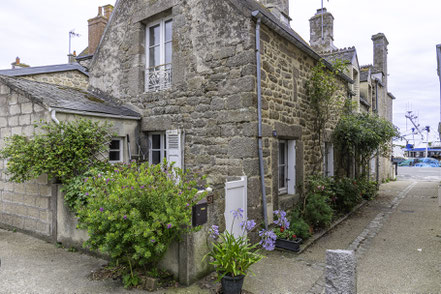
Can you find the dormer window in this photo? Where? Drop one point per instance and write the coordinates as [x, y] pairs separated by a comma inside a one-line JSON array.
[[159, 55]]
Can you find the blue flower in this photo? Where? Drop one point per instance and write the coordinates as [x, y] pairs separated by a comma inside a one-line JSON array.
[[238, 213], [214, 231], [248, 225], [268, 240]]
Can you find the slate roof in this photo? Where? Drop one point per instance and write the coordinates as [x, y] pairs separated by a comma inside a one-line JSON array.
[[344, 54], [66, 98], [35, 70]]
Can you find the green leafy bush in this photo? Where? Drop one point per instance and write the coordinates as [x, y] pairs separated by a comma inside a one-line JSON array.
[[299, 226], [62, 151], [347, 194], [134, 211], [368, 189], [317, 212]]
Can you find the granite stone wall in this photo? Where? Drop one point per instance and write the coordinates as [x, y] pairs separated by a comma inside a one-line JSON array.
[[74, 79], [25, 206]]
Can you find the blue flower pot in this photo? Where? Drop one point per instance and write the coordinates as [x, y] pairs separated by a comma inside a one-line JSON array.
[[232, 285]]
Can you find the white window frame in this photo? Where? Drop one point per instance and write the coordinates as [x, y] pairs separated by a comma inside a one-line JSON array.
[[329, 159], [163, 85], [283, 189], [162, 148], [121, 150], [290, 168]]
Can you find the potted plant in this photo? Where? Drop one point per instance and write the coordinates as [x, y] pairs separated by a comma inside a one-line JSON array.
[[232, 256], [286, 237]]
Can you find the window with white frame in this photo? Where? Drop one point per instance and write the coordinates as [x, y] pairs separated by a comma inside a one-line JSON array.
[[286, 166], [116, 150], [158, 72], [158, 147], [329, 159]]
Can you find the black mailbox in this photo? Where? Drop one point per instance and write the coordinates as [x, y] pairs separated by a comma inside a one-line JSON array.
[[199, 216]]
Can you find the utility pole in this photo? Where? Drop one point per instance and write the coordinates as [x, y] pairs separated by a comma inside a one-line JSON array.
[[438, 58]]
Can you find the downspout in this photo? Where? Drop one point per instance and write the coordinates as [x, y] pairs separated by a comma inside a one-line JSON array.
[[377, 160], [54, 116], [259, 117]]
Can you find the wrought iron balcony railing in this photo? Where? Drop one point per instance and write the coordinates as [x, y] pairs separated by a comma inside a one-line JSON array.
[[158, 78]]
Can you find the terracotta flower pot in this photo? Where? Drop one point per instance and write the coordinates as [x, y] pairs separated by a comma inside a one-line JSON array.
[[232, 285]]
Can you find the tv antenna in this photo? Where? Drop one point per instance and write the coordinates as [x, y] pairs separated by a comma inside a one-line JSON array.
[[72, 34]]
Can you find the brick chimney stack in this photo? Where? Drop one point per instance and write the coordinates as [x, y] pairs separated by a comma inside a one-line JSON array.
[[97, 26], [315, 27], [18, 64], [280, 8], [380, 54]]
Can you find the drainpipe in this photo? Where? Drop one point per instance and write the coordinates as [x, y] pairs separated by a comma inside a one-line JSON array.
[[259, 116], [377, 160], [53, 116]]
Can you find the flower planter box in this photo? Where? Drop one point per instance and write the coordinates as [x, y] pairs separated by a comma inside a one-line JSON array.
[[291, 245]]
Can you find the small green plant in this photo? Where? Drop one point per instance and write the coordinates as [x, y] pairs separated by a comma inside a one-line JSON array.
[[231, 255], [133, 211], [318, 213], [299, 226], [347, 194]]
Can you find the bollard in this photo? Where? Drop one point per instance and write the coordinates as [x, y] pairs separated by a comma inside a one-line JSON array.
[[341, 272]]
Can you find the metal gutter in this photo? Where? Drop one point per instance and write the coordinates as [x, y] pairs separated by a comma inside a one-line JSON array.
[[54, 115], [61, 110]]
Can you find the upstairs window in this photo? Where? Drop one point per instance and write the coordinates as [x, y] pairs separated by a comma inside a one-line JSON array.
[[159, 55], [286, 166]]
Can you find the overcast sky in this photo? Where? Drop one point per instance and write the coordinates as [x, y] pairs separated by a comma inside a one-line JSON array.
[[38, 32]]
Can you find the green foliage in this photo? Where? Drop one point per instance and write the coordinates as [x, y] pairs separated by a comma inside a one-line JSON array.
[[300, 227], [132, 212], [318, 213], [368, 189], [62, 151], [363, 135], [322, 88], [346, 194], [233, 256]]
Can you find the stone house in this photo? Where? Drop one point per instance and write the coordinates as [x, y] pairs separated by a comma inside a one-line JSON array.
[[369, 91], [218, 87]]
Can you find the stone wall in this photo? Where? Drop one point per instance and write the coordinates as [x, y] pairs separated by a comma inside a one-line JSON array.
[[25, 206], [74, 79], [286, 108]]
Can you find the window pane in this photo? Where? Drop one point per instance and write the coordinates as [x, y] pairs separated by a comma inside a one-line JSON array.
[[168, 52], [156, 142], [114, 144], [154, 56], [282, 177], [282, 153], [154, 36], [168, 30], [156, 157], [114, 156]]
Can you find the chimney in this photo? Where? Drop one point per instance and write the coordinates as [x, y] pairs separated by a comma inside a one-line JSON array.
[[280, 8], [380, 54], [318, 41], [97, 26], [72, 57], [18, 64]]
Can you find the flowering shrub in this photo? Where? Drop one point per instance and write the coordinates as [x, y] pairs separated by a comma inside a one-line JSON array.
[[133, 212], [232, 255]]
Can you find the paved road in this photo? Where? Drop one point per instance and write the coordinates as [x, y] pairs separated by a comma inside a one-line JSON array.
[[419, 173]]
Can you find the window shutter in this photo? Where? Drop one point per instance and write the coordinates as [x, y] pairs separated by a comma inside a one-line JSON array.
[[291, 167], [174, 140], [331, 160]]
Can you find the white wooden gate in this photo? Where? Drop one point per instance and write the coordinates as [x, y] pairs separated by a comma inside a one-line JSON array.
[[235, 198]]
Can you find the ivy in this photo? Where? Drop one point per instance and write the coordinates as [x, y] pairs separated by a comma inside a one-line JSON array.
[[62, 151]]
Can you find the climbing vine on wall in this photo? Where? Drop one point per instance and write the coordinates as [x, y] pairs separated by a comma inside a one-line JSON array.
[[322, 90]]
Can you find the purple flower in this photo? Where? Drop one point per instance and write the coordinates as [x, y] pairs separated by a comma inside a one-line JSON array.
[[107, 181], [153, 240], [99, 175], [116, 170], [169, 226], [86, 179], [281, 220], [248, 225], [87, 193], [268, 239], [238, 213], [101, 209], [132, 187], [142, 187], [214, 231], [188, 204], [125, 217]]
